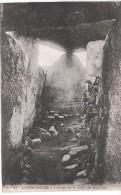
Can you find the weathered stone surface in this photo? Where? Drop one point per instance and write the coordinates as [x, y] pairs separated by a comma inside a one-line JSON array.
[[21, 81], [20, 84], [94, 58], [66, 158], [73, 151], [108, 158]]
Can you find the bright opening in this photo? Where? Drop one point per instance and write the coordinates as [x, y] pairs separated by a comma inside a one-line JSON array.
[[48, 55], [82, 57]]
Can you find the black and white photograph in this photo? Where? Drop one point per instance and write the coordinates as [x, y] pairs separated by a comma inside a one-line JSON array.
[[60, 95]]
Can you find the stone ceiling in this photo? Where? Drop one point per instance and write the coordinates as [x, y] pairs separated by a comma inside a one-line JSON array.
[[70, 24]]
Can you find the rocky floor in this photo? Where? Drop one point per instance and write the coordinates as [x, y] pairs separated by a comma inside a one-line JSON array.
[[62, 158], [55, 153]]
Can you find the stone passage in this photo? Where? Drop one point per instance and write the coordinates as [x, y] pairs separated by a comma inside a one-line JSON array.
[[47, 140]]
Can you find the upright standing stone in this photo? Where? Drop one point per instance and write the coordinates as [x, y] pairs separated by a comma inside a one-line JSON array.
[[94, 58], [108, 157]]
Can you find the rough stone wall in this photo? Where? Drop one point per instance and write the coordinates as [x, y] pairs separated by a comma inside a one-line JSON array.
[[108, 156], [21, 81], [94, 58]]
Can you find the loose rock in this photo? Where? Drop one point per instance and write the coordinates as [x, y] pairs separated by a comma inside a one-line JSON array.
[[52, 112], [44, 134], [79, 135], [71, 129], [71, 167], [76, 127], [56, 114], [61, 117], [82, 181], [75, 150], [82, 173], [53, 131], [73, 140], [51, 117], [65, 115], [36, 141], [66, 158], [66, 149], [62, 125], [55, 134]]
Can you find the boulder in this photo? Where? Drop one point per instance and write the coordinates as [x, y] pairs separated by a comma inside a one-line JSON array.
[[35, 142], [73, 151], [66, 158]]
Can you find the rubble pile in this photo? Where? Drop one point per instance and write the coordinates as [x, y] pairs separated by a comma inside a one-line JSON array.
[[76, 157], [79, 159], [90, 99]]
